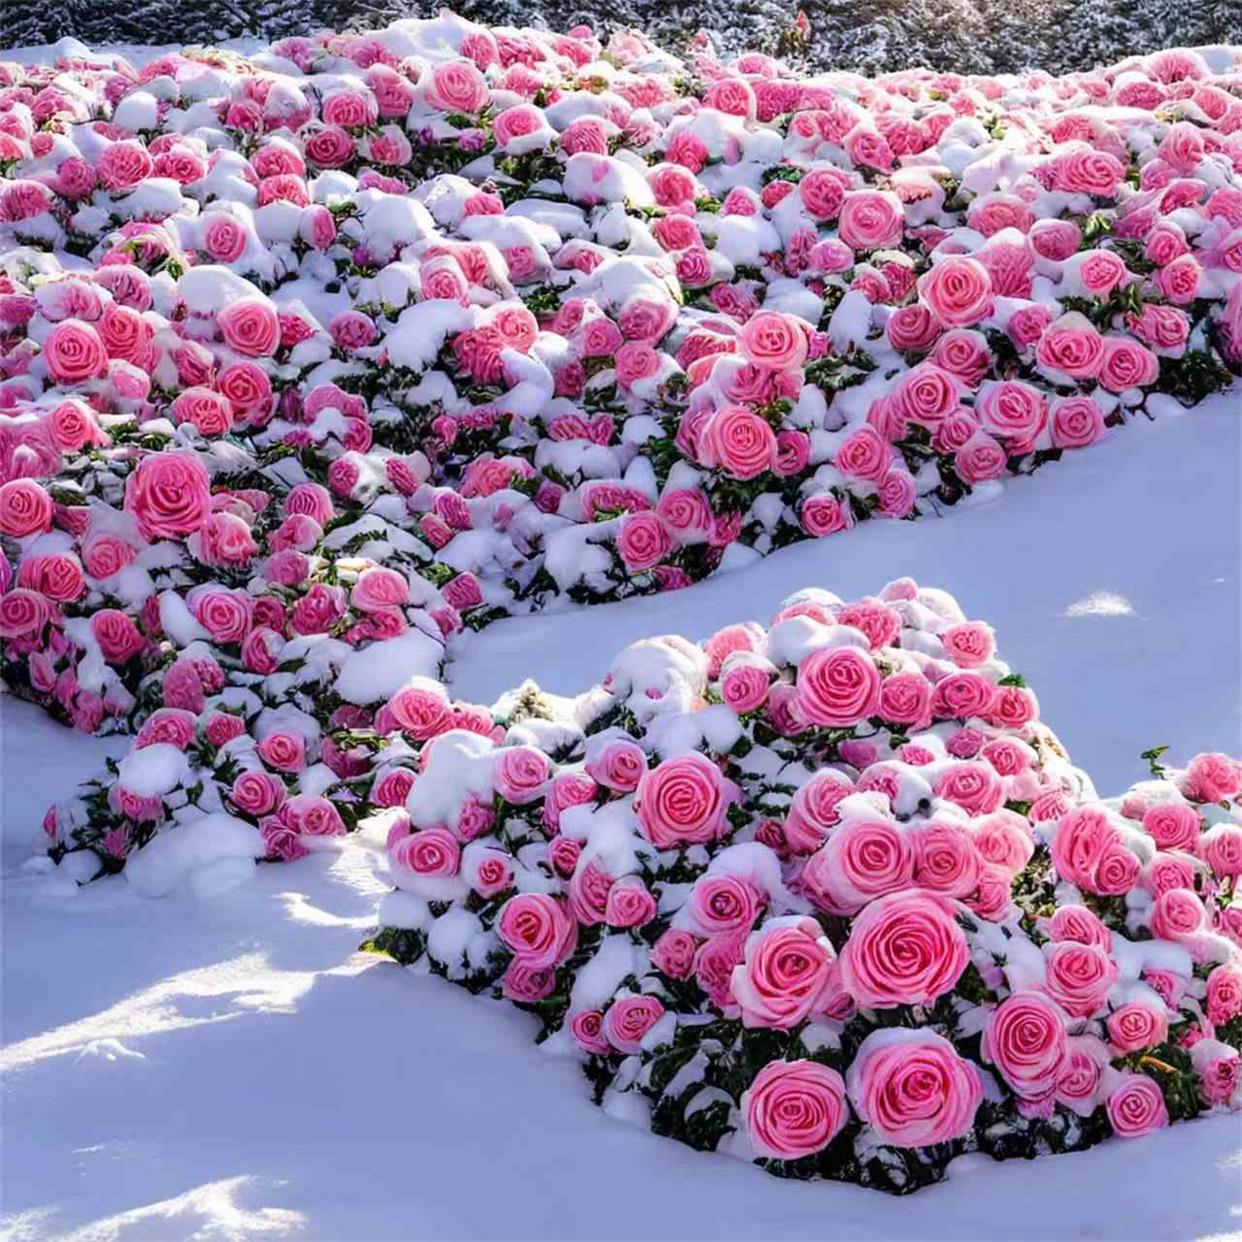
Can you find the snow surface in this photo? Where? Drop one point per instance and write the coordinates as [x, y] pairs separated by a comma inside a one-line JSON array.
[[217, 1065]]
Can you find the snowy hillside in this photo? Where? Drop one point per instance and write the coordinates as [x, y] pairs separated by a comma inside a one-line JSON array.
[[229, 1066]]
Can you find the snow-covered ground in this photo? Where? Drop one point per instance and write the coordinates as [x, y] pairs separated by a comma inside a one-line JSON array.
[[228, 1067]]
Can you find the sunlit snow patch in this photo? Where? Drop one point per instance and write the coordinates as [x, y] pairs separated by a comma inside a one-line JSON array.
[[1100, 604]]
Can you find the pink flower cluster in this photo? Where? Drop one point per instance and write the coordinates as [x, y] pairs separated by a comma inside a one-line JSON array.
[[827, 894], [370, 337]]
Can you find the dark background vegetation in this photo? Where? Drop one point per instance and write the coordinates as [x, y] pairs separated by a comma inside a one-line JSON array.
[[972, 36]]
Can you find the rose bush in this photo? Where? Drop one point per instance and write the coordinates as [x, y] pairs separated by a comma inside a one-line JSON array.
[[846, 950]]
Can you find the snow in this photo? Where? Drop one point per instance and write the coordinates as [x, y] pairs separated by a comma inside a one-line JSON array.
[[226, 1065]]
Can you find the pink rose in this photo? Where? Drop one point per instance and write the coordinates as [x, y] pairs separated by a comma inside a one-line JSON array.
[[429, 852], [257, 793], [587, 1027], [525, 984], [250, 326], [118, 637], [1126, 364], [972, 785], [1224, 993], [1025, 1038], [1014, 411], [681, 801], [787, 971], [774, 340], [838, 687], [1078, 1085], [1136, 1106], [958, 290], [169, 495], [871, 220], [903, 949], [629, 903], [1076, 422], [1222, 850], [618, 765], [825, 515], [738, 442], [861, 860], [945, 860], [913, 1088], [74, 352], [1071, 346], [1079, 977], [312, 815], [1136, 1027], [421, 711], [25, 508], [1213, 777], [628, 1019], [643, 541], [521, 774], [537, 929], [456, 86], [286, 752], [674, 953], [794, 1109], [813, 810]]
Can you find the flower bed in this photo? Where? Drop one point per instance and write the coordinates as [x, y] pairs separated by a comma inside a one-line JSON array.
[[827, 895], [365, 339]]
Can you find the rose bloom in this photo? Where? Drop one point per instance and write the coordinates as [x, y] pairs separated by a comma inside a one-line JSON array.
[[1079, 977], [745, 681], [794, 1109], [1136, 1106], [720, 903], [774, 340], [673, 954], [903, 949], [1224, 993], [456, 86], [628, 1019], [250, 326], [1071, 346], [838, 687], [786, 974], [682, 801], [913, 1087], [825, 515], [629, 903], [257, 793], [871, 220], [1136, 1027], [537, 929], [1213, 777], [958, 291], [286, 752], [739, 442], [643, 541], [1082, 1072], [1222, 850], [1076, 422], [618, 765], [945, 859], [586, 1027], [812, 811], [861, 860], [168, 494], [521, 774], [1025, 1038], [25, 508]]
